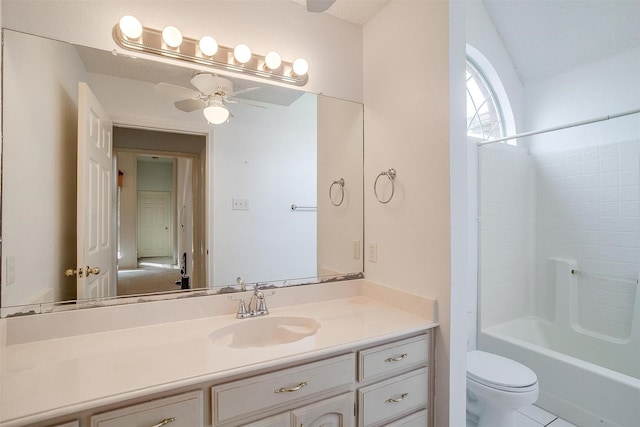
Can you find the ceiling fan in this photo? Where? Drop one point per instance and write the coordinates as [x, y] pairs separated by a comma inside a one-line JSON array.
[[211, 94]]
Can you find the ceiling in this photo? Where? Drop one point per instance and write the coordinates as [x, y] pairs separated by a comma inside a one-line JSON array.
[[355, 11], [543, 37], [548, 37]]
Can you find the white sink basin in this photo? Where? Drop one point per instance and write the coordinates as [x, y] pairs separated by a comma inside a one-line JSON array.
[[265, 331]]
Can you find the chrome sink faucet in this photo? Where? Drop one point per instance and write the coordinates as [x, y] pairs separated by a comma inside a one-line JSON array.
[[257, 305]]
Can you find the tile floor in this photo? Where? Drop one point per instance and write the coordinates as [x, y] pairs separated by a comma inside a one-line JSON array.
[[533, 416]]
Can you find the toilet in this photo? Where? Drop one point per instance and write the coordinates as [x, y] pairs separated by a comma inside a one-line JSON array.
[[496, 387]]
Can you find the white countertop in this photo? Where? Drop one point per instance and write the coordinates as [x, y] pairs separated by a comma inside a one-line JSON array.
[[48, 378]]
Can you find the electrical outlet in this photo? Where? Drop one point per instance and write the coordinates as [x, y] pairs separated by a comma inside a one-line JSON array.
[[356, 249], [240, 204], [373, 252]]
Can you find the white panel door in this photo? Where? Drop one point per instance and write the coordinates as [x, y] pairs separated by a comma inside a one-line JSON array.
[[154, 224], [96, 267]]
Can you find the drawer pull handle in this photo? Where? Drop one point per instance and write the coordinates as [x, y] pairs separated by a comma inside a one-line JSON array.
[[397, 359], [399, 399], [164, 422], [292, 389]]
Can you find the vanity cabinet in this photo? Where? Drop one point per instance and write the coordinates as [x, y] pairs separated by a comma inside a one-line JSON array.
[[386, 383], [394, 382]]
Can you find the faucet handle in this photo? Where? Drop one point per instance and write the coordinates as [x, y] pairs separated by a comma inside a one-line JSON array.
[[242, 307], [262, 305], [242, 310]]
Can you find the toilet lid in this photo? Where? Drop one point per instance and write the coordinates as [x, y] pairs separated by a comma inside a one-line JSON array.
[[497, 371]]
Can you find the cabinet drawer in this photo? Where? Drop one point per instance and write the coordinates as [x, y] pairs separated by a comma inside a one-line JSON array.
[[419, 419], [385, 359], [186, 410], [270, 391], [393, 398]]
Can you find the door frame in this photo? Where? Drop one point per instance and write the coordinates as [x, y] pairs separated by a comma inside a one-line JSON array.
[[201, 272]]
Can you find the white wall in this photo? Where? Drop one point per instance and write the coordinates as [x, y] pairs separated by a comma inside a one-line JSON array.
[[272, 164], [407, 128], [128, 229], [463, 263], [332, 47], [594, 90], [507, 214], [588, 210], [482, 36], [39, 198], [485, 47]]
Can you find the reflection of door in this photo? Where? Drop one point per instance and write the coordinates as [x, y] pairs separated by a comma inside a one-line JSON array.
[[154, 219], [96, 228]]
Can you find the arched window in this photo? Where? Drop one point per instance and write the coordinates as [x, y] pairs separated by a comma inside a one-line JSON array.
[[484, 114]]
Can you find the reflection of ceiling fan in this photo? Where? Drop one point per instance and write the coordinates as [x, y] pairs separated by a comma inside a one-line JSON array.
[[211, 96]]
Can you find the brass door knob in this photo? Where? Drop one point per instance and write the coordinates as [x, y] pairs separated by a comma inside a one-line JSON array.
[[94, 270], [70, 272]]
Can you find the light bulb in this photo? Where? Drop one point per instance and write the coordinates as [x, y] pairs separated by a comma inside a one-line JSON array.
[[272, 60], [208, 46], [172, 36], [130, 27], [300, 67], [216, 112], [242, 53]]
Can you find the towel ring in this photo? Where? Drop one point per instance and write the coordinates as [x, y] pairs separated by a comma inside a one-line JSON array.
[[391, 174], [340, 183]]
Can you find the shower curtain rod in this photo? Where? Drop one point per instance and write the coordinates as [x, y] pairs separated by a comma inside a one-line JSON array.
[[570, 125]]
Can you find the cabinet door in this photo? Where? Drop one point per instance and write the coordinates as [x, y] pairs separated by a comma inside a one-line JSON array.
[[334, 412], [281, 420]]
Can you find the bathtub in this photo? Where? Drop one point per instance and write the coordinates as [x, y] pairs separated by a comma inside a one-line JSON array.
[[583, 379]]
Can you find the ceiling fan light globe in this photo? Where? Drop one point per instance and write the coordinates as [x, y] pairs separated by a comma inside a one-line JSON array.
[[172, 36], [242, 53], [208, 46], [272, 60], [216, 114], [130, 27]]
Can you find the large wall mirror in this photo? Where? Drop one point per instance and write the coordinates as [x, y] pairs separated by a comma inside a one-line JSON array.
[[274, 195]]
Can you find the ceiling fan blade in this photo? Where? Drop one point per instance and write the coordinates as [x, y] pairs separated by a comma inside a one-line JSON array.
[[319, 5], [189, 105], [174, 91], [205, 83]]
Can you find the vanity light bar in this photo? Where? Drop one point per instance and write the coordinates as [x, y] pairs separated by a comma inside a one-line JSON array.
[[149, 40]]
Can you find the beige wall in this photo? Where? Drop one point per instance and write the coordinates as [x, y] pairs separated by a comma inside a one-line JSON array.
[[406, 98]]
